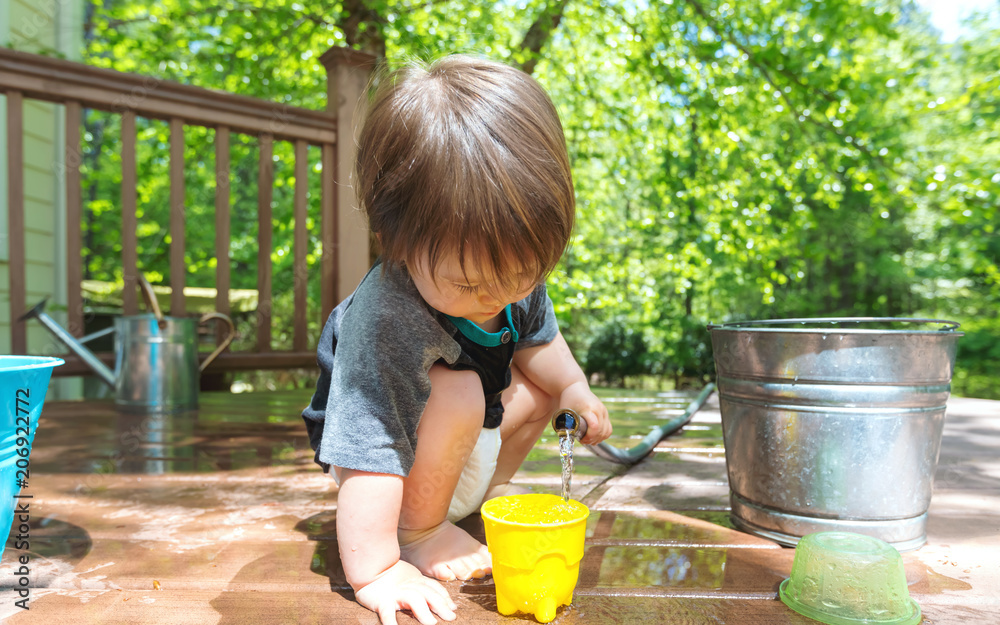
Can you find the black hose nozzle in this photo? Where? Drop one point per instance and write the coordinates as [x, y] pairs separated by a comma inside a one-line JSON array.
[[567, 422]]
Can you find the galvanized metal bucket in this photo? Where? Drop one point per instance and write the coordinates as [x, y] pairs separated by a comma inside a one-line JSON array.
[[833, 424]]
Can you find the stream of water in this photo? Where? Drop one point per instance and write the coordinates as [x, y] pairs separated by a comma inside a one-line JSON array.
[[566, 456]]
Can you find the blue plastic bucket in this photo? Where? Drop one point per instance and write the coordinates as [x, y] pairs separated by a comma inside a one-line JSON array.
[[24, 380]]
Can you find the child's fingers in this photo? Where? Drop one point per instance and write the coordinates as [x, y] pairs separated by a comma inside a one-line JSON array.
[[605, 425], [423, 602], [417, 604], [443, 606], [598, 426], [443, 594], [387, 612], [593, 435]]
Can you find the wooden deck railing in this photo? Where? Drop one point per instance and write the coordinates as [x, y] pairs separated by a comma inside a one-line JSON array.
[[345, 255]]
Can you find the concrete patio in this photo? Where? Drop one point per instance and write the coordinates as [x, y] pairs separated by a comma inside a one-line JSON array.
[[220, 517]]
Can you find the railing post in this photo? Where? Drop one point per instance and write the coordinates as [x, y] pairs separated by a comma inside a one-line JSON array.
[[130, 237], [223, 204], [74, 221], [16, 252], [178, 268], [348, 74]]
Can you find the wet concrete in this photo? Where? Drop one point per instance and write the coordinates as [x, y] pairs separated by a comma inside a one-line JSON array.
[[220, 516]]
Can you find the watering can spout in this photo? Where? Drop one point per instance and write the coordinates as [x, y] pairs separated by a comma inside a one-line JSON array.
[[102, 370]]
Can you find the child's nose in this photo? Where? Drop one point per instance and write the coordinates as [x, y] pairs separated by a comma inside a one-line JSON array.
[[488, 300]]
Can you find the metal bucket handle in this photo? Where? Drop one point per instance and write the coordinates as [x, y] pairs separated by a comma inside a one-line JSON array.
[[225, 343], [951, 325], [150, 298]]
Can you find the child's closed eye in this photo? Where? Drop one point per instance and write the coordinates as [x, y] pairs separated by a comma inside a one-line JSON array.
[[464, 288]]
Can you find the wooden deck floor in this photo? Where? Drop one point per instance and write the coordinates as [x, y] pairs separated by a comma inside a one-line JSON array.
[[220, 517]]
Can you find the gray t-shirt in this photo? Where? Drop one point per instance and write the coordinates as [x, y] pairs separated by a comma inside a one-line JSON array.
[[374, 355]]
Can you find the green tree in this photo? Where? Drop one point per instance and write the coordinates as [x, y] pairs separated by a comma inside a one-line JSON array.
[[732, 160]]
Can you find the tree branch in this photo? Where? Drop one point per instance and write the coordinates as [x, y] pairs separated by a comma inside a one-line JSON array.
[[361, 25], [115, 23], [540, 32], [764, 70]]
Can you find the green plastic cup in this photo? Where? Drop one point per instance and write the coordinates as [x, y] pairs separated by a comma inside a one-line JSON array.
[[843, 578]]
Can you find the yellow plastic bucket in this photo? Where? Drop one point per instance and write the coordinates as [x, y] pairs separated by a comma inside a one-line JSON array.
[[536, 542]]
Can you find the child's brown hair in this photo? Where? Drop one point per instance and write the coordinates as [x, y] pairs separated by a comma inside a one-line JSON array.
[[466, 156]]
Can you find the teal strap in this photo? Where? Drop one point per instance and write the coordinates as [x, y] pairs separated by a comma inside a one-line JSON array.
[[480, 336]]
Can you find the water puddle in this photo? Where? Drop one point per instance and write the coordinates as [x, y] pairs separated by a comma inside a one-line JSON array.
[[242, 432], [662, 567], [722, 518], [922, 579]]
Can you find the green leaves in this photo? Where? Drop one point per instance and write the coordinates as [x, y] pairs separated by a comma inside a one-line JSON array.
[[732, 160]]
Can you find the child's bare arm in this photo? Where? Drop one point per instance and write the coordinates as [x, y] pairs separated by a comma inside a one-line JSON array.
[[368, 507], [367, 514], [553, 368]]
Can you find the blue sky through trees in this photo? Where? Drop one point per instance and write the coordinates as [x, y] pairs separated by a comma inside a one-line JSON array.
[[947, 15]]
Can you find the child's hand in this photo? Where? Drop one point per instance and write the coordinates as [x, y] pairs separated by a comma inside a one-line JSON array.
[[580, 398], [402, 587]]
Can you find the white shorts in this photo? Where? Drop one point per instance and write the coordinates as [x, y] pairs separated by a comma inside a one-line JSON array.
[[476, 476]]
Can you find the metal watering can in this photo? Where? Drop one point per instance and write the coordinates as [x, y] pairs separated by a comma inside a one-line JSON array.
[[156, 357]]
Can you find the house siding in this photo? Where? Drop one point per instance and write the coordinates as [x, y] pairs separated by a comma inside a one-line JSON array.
[[45, 27]]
